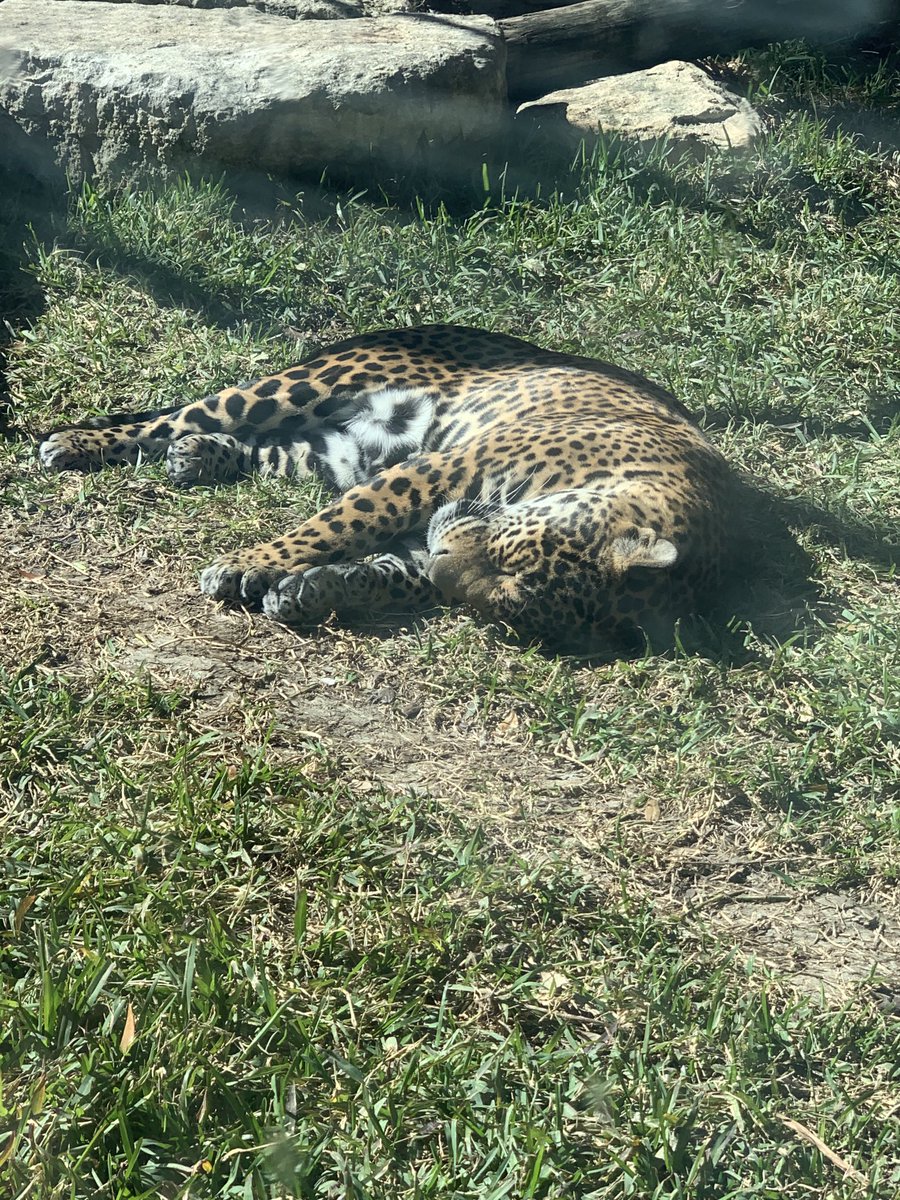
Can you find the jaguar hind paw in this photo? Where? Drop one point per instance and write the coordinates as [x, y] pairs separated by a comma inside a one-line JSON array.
[[90, 450], [307, 598], [64, 452], [203, 458]]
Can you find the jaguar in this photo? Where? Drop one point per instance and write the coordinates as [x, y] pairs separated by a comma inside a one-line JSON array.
[[567, 499]]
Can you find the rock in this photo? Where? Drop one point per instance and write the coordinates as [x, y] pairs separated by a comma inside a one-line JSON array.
[[123, 90], [675, 100], [297, 10]]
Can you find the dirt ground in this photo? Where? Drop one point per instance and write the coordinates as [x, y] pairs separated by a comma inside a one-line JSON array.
[[81, 610]]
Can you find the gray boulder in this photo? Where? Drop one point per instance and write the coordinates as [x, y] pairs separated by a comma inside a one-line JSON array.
[[122, 90], [298, 10], [676, 100]]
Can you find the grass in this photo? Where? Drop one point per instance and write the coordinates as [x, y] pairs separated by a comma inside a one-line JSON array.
[[413, 912], [354, 995]]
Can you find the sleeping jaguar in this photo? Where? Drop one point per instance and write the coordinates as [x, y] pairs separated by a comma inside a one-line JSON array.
[[568, 499]]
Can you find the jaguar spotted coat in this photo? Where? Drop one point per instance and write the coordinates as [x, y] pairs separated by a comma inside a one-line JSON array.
[[571, 500]]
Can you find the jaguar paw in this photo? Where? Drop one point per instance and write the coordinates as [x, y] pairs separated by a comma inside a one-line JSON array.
[[64, 452], [198, 458], [306, 598], [229, 579]]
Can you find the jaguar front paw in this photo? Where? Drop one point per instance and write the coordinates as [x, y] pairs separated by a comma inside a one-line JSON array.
[[232, 579]]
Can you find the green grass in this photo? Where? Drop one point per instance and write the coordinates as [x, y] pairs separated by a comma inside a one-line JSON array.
[[332, 991], [242, 957]]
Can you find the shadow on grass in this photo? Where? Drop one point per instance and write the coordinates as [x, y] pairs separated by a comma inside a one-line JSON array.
[[851, 89], [32, 202], [876, 420], [770, 584], [878, 544], [521, 160], [526, 165], [524, 161]]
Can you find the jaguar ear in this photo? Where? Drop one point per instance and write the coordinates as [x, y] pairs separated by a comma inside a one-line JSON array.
[[643, 549]]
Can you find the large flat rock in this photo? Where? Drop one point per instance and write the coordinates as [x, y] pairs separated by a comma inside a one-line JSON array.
[[298, 10], [676, 101], [127, 89]]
